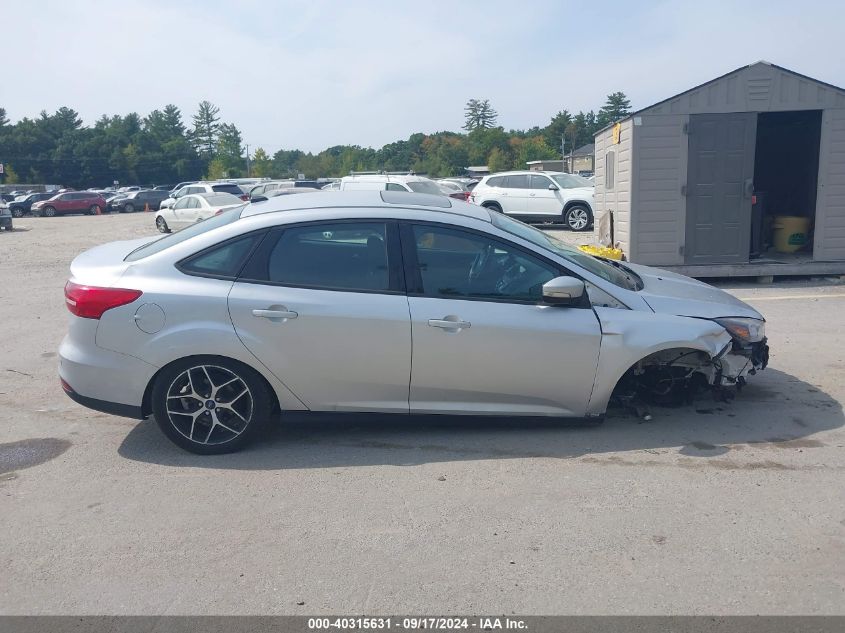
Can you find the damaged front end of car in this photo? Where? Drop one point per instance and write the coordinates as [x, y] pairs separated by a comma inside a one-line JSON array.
[[675, 376]]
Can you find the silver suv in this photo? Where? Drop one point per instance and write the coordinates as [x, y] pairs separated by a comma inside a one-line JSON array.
[[538, 196]]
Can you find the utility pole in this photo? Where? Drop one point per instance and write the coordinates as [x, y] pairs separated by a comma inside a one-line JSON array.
[[247, 162], [563, 152]]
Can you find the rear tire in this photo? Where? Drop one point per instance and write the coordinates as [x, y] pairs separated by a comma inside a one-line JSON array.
[[129, 208], [49, 212], [210, 405], [578, 218], [161, 225]]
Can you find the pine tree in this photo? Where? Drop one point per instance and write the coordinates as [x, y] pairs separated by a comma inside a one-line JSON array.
[[617, 107], [479, 115], [206, 126]]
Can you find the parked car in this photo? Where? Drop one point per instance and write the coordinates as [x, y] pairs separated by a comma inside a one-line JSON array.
[[5, 217], [194, 208], [167, 188], [262, 188], [23, 204], [283, 191], [205, 187], [390, 182], [70, 202], [7, 197], [282, 306], [538, 196], [138, 201], [454, 189]]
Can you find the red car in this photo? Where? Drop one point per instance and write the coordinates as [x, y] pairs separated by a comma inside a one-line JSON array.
[[70, 202]]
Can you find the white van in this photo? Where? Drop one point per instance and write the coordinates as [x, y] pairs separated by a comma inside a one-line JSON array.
[[390, 182]]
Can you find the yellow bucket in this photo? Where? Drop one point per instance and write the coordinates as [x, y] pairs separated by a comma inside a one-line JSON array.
[[790, 233]]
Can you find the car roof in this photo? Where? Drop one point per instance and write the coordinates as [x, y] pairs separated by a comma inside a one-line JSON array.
[[366, 199], [521, 172], [384, 178]]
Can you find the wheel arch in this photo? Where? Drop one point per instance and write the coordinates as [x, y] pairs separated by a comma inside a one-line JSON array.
[[617, 359], [146, 401], [577, 203]]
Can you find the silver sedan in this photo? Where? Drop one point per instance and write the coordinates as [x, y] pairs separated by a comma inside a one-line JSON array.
[[384, 301]]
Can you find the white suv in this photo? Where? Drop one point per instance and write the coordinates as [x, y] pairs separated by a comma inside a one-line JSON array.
[[538, 196], [390, 182]]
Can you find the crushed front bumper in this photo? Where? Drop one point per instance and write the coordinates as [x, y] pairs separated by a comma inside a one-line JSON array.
[[743, 359]]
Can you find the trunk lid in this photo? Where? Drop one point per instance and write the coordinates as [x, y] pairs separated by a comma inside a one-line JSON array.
[[103, 265]]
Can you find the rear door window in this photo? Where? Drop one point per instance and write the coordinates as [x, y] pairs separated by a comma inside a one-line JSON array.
[[349, 256], [519, 181]]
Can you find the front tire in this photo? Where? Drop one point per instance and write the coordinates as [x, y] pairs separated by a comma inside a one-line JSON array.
[[493, 206], [161, 225], [49, 212], [129, 208], [210, 405], [94, 209], [17, 212], [578, 218]]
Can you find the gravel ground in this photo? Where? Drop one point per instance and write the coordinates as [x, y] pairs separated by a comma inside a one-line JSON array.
[[714, 508]]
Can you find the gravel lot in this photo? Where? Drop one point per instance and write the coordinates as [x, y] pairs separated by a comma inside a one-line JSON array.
[[713, 508]]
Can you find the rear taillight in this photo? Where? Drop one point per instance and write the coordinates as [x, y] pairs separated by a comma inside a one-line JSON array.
[[245, 198], [89, 302], [459, 195]]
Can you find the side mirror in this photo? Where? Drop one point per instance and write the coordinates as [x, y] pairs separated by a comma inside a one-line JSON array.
[[553, 187], [563, 291]]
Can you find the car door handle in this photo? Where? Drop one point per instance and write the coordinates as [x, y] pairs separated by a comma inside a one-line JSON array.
[[275, 314], [532, 194], [450, 323]]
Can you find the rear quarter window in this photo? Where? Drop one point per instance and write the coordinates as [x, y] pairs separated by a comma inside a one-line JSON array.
[[233, 189]]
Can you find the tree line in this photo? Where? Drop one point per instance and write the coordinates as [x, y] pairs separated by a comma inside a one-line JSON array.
[[161, 149]]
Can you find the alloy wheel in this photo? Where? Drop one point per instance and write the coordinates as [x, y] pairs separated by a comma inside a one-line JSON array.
[[577, 219], [209, 404]]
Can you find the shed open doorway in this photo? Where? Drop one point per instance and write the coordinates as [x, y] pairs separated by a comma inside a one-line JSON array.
[[786, 167]]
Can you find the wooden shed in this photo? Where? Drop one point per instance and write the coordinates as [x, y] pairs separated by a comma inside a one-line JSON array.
[[742, 175]]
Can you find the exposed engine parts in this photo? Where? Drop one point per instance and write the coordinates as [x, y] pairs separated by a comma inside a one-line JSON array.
[[675, 377]]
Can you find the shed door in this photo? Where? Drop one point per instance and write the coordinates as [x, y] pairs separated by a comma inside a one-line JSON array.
[[719, 187]]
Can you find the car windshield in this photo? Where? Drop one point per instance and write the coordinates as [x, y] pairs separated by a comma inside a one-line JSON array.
[[571, 181], [425, 186], [172, 239], [615, 273]]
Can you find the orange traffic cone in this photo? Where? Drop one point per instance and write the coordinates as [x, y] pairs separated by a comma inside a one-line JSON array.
[[147, 207]]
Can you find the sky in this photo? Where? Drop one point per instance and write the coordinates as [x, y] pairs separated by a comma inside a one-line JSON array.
[[313, 74]]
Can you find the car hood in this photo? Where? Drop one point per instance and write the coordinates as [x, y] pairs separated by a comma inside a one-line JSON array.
[[669, 293], [585, 192]]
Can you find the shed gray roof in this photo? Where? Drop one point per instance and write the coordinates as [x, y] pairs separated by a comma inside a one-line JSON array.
[[733, 72]]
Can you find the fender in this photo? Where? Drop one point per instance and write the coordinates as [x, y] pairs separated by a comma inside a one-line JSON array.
[[628, 336]]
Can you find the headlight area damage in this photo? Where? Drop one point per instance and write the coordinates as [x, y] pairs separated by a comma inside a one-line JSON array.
[[716, 359]]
